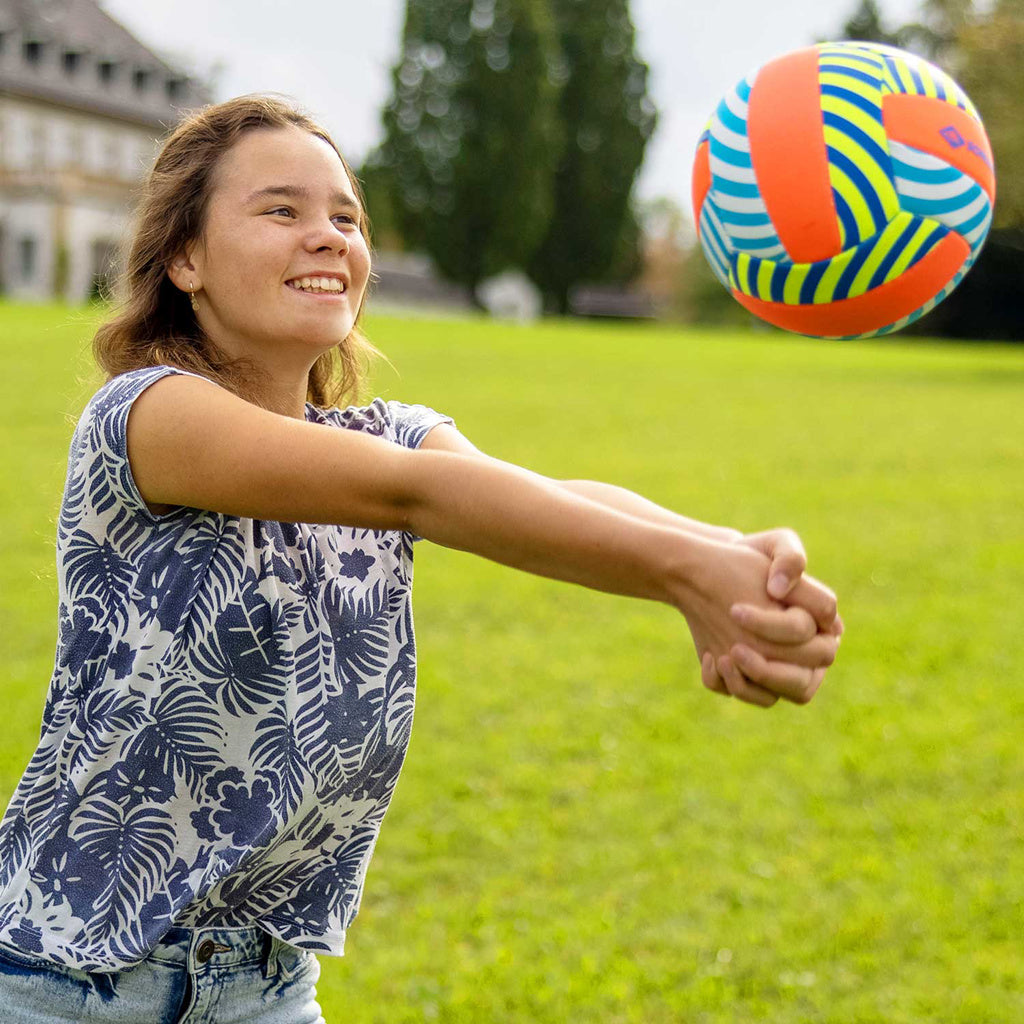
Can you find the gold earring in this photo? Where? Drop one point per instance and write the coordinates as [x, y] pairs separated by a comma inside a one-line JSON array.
[[192, 296]]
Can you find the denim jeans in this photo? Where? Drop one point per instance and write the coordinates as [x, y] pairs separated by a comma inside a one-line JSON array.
[[194, 976]]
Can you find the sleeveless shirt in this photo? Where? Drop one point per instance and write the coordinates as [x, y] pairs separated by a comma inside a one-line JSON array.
[[229, 710]]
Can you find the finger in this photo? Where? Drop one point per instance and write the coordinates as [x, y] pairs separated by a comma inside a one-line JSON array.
[[709, 675], [818, 652], [795, 683], [838, 628], [739, 687], [813, 595], [792, 625], [789, 560]]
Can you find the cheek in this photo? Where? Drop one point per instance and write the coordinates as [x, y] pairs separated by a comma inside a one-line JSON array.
[[359, 260]]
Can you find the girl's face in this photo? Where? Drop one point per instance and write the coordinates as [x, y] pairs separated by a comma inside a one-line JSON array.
[[282, 261]]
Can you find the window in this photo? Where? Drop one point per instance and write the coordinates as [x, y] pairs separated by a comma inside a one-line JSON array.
[[107, 70], [27, 257], [140, 79], [175, 88], [33, 51], [72, 62]]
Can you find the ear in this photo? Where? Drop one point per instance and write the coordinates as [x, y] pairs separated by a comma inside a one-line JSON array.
[[183, 272]]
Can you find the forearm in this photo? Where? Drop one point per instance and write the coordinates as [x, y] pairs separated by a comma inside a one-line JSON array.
[[521, 519], [634, 505]]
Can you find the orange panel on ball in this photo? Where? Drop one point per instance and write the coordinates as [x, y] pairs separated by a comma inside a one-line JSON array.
[[701, 180], [787, 147], [875, 309], [939, 128]]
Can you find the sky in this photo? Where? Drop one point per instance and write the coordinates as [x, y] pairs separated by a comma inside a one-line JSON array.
[[335, 58]]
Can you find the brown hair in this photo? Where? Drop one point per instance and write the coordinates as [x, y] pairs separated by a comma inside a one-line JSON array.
[[155, 324]]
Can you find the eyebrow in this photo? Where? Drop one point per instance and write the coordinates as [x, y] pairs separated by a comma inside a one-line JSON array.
[[298, 192]]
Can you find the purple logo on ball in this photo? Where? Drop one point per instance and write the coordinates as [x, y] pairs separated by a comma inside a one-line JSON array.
[[956, 140]]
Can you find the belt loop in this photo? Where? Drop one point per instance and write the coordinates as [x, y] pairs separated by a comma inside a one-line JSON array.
[[271, 968]]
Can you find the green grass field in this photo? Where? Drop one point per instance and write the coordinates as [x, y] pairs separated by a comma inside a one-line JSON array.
[[581, 831]]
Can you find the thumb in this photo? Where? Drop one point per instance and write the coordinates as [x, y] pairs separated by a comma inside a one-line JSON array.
[[784, 574]]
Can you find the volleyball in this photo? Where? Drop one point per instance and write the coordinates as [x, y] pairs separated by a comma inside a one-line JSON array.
[[843, 190]]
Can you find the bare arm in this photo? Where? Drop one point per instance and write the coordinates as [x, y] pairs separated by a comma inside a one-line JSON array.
[[193, 443], [787, 580], [627, 501]]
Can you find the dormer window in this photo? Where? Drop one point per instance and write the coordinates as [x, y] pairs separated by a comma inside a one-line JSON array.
[[33, 51], [140, 79], [72, 61], [107, 70]]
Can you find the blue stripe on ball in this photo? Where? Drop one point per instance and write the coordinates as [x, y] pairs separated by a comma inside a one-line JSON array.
[[864, 250], [810, 285], [893, 254]]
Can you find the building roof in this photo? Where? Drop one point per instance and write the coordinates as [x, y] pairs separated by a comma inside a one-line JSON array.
[[114, 74]]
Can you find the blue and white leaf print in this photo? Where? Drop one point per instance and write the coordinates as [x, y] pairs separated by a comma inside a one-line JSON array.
[[104, 718], [180, 724], [277, 752], [227, 717], [97, 570], [132, 846], [360, 628]]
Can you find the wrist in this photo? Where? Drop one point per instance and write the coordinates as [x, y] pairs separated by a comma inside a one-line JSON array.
[[689, 569]]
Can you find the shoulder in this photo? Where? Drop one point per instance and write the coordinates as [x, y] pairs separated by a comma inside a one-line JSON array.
[[125, 387]]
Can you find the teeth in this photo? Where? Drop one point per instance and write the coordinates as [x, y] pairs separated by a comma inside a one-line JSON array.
[[317, 284]]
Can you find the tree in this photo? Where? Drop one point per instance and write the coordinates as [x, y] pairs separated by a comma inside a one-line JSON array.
[[608, 118], [865, 25], [471, 136], [991, 71], [936, 35]]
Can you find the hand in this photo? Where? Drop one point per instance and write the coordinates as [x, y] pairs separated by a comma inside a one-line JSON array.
[[811, 608], [788, 583], [736, 625]]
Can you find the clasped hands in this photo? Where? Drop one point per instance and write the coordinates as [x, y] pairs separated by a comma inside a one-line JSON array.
[[763, 629]]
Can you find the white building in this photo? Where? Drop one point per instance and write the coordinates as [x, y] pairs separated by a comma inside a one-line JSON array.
[[83, 106]]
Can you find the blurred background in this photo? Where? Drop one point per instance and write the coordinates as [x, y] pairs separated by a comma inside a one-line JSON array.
[[519, 156], [581, 832]]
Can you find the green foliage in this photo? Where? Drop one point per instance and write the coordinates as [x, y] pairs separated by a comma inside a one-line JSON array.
[[865, 25], [991, 70], [581, 832], [707, 301], [937, 34], [608, 118], [471, 136]]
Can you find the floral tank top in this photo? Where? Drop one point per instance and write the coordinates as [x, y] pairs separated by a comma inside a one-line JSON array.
[[229, 710]]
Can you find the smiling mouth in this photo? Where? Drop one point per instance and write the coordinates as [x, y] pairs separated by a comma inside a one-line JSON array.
[[317, 285]]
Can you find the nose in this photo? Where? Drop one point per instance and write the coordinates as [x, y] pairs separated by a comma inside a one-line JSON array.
[[328, 237]]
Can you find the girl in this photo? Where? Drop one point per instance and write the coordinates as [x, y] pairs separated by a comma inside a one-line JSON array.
[[233, 688]]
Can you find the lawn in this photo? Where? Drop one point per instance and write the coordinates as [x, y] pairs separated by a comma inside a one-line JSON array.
[[581, 831]]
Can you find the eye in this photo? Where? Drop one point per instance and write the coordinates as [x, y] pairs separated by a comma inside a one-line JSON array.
[[345, 218], [281, 211]]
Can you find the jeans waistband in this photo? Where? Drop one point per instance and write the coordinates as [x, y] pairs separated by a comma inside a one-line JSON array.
[[216, 947]]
